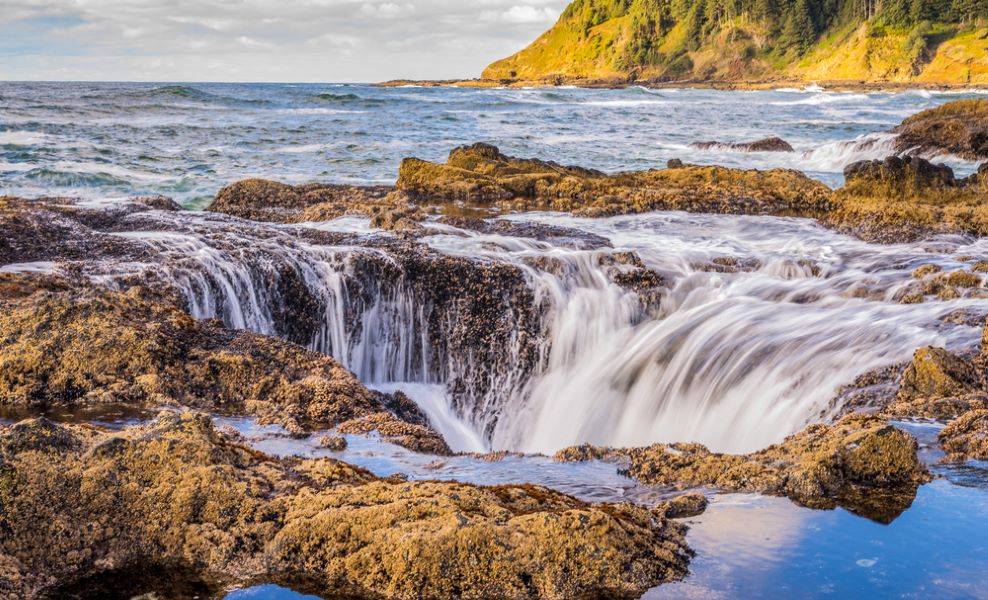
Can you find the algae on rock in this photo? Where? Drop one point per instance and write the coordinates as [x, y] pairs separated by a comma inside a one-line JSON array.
[[76, 502]]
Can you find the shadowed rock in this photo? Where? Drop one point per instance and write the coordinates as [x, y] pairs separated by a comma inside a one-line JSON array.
[[177, 492], [263, 200]]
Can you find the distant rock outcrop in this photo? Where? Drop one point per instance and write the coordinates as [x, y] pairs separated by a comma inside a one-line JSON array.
[[959, 128], [771, 144]]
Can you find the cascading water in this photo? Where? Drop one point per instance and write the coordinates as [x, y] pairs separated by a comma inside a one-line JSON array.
[[761, 321]]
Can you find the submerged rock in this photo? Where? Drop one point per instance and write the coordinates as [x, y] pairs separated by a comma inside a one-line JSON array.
[[824, 466], [76, 502], [770, 144], [68, 342], [333, 443], [959, 128], [932, 283], [482, 175], [414, 436], [555, 234]]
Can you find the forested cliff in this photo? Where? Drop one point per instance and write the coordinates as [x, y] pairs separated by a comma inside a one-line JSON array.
[[935, 41]]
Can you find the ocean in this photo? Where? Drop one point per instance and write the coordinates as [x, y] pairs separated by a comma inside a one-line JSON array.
[[186, 141]]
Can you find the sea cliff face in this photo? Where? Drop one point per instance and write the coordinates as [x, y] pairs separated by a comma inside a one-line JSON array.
[[655, 41]]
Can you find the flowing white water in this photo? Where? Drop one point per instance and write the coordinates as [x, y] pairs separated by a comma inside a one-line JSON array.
[[732, 358]]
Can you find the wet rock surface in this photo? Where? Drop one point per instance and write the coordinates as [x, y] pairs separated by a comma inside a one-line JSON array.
[[280, 280], [771, 144], [263, 200], [942, 385], [77, 502], [959, 128], [559, 236], [899, 199], [688, 505], [861, 463], [68, 342]]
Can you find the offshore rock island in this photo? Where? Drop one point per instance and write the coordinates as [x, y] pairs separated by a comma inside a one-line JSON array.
[[257, 348]]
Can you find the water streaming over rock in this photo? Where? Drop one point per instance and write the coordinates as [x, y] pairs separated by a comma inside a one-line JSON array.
[[743, 331]]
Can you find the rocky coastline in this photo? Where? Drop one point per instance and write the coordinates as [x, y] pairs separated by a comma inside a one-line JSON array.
[[81, 501], [617, 83]]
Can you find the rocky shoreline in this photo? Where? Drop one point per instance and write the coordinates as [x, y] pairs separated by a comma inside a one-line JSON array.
[[87, 319], [739, 85]]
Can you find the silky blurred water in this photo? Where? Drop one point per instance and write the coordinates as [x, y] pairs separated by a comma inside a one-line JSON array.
[[187, 141]]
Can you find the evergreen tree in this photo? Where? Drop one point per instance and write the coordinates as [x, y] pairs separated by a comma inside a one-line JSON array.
[[799, 31]]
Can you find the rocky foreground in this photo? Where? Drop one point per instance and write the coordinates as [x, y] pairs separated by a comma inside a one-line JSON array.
[[91, 320], [76, 502]]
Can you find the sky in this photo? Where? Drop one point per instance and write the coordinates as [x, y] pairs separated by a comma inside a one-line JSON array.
[[263, 40]]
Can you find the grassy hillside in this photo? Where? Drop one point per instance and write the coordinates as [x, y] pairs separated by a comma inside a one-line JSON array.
[[932, 41]]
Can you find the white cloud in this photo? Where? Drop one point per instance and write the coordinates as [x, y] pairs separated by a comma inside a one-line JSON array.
[[527, 14], [258, 40]]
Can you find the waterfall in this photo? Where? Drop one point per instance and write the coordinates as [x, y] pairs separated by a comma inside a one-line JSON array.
[[541, 344]]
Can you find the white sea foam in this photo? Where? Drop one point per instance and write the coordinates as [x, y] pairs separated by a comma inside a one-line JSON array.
[[22, 138]]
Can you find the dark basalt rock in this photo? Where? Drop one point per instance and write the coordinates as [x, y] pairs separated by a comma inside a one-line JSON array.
[[910, 172], [771, 144], [560, 236], [50, 230]]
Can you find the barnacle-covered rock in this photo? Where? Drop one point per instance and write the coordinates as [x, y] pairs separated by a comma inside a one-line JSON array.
[[77, 503]]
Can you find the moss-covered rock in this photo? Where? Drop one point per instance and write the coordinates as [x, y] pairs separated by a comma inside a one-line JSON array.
[[822, 467], [67, 342], [482, 175], [938, 409], [907, 199], [177, 492], [937, 373], [959, 128]]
